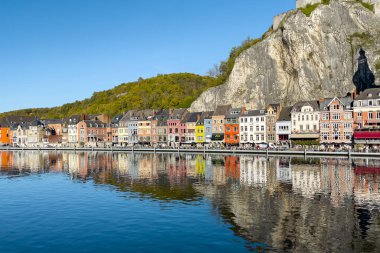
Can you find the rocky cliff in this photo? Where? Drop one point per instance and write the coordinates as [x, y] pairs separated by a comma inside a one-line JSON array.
[[306, 57]]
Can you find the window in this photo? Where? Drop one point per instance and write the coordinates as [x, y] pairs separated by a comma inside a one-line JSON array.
[[370, 102], [378, 115], [347, 126], [336, 127], [251, 128], [336, 116], [257, 128], [348, 115], [347, 135], [242, 128], [370, 115], [246, 128], [301, 127], [325, 136], [262, 128], [359, 115], [325, 116]]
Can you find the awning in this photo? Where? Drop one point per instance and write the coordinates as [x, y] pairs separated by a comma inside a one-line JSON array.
[[304, 136], [217, 137], [366, 135]]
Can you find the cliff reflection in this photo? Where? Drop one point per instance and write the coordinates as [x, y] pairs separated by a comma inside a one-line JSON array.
[[290, 204]]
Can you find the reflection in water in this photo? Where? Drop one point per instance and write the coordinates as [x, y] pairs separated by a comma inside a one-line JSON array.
[[290, 204]]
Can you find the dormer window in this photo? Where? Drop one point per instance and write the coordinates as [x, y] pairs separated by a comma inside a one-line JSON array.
[[369, 95], [370, 102]]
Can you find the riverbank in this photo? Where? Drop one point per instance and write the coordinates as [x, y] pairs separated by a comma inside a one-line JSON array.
[[268, 152]]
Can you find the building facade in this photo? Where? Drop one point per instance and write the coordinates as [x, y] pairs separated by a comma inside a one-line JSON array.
[[305, 121], [367, 117], [336, 121]]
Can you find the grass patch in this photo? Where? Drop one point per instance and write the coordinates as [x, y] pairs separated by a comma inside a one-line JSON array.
[[312, 7], [309, 9], [368, 6], [377, 65]]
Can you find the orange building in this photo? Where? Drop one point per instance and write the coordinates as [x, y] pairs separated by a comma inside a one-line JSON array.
[[231, 127], [5, 136]]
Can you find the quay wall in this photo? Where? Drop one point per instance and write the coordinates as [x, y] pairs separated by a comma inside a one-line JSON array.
[[304, 153]]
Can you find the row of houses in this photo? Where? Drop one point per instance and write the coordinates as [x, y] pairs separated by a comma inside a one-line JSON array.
[[333, 121]]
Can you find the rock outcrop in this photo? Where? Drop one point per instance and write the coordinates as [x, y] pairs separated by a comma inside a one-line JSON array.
[[305, 58]]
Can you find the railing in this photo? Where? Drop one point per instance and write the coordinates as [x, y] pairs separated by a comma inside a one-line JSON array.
[[234, 151]]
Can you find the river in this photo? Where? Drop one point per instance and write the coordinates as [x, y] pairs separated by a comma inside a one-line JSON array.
[[119, 202]]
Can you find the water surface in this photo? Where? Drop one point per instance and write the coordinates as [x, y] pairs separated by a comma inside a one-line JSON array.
[[116, 202]]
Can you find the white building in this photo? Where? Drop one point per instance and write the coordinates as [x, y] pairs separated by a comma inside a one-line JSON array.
[[35, 133], [72, 129], [252, 127], [305, 121], [284, 125]]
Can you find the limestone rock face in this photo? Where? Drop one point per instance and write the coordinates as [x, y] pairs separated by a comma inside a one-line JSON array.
[[305, 58]]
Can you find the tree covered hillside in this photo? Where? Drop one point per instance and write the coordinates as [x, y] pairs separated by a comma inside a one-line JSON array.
[[162, 91]]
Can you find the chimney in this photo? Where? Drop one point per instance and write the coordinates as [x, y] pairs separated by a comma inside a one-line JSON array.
[[198, 117], [243, 110]]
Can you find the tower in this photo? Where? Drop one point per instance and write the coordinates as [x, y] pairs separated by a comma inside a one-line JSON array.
[[363, 78]]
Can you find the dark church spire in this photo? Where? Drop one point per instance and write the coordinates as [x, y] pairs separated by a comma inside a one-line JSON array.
[[363, 78]]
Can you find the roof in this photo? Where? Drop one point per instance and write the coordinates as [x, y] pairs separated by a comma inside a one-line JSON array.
[[36, 123], [285, 114], [13, 119], [313, 103], [275, 107], [94, 123], [192, 117], [373, 93], [162, 116], [346, 101], [53, 121], [177, 113], [222, 110], [74, 119], [253, 113], [116, 119], [234, 113], [130, 115]]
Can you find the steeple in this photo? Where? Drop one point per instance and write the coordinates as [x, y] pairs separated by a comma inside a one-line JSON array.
[[363, 78]]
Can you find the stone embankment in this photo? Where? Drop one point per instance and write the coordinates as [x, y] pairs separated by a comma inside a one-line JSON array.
[[266, 152]]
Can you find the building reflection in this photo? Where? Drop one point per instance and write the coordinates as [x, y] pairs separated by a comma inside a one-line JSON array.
[[290, 204]]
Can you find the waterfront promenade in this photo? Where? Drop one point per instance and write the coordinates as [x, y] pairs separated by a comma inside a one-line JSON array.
[[261, 152]]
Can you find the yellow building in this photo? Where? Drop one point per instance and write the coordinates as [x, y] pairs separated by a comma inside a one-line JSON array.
[[200, 132]]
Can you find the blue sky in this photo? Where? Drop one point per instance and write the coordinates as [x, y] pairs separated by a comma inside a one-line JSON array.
[[58, 51]]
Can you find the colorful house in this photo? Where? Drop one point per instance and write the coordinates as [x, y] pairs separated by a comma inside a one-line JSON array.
[[272, 113], [203, 128], [190, 122], [367, 117], [252, 127], [91, 132], [231, 126], [218, 123], [336, 122], [5, 133], [284, 125], [175, 128], [305, 121]]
